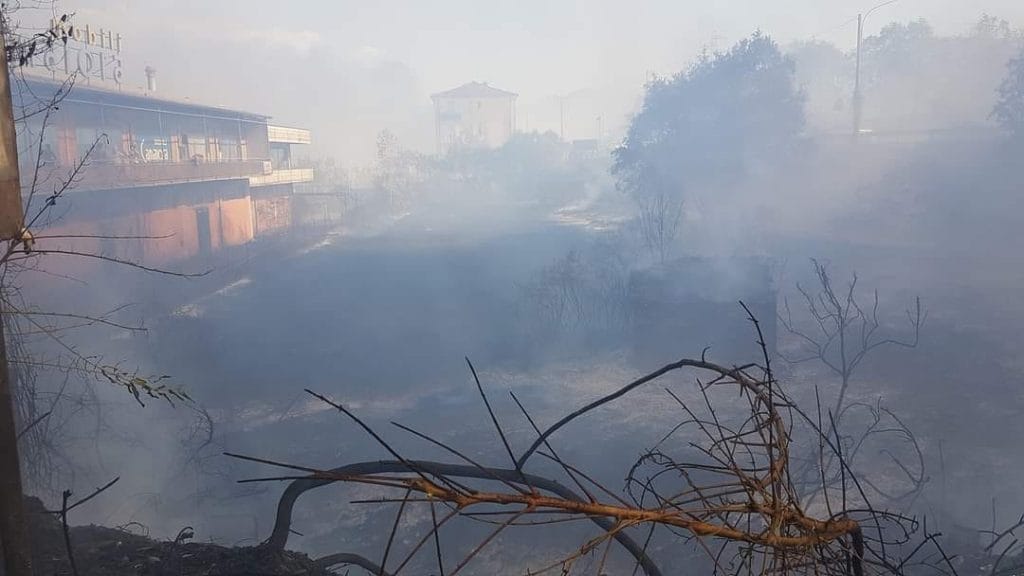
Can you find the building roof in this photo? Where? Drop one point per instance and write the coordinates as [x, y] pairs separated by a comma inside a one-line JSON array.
[[83, 93], [475, 90]]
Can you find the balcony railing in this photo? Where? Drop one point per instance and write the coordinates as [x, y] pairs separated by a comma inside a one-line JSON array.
[[287, 135], [283, 176], [105, 176]]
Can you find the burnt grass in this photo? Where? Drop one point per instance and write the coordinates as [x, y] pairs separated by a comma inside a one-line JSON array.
[[102, 551]]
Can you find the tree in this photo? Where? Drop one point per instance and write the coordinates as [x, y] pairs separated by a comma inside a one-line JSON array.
[[995, 28], [42, 187], [825, 74], [659, 218], [894, 66], [397, 171], [13, 533], [915, 79], [1008, 111], [535, 168], [843, 331], [699, 131], [899, 47], [582, 290]]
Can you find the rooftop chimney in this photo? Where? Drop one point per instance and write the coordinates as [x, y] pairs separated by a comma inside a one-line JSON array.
[[150, 79]]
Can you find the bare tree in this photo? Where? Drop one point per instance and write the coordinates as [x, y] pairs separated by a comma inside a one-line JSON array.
[[556, 296], [842, 331], [44, 185], [585, 290], [1004, 544], [13, 533], [659, 219], [398, 170], [718, 482]]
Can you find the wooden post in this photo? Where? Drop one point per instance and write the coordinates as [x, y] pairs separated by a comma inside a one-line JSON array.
[[13, 532], [11, 215]]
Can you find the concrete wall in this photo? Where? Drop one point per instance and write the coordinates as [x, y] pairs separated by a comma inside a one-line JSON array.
[[160, 225]]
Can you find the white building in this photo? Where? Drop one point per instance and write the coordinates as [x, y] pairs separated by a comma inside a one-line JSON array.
[[474, 115]]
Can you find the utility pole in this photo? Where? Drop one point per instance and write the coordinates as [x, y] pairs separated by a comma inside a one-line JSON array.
[[561, 117], [13, 532], [858, 98]]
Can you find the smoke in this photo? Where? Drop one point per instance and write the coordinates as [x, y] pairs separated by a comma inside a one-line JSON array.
[[529, 258]]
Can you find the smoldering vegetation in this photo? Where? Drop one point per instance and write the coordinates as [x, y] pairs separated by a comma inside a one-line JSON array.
[[883, 268]]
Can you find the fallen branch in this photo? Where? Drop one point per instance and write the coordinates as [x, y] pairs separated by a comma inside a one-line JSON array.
[[348, 558], [282, 524]]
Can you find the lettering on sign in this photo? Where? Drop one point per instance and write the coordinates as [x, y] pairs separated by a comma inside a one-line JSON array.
[[94, 54]]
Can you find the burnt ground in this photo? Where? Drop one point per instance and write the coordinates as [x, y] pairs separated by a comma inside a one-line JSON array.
[[102, 551], [386, 324]]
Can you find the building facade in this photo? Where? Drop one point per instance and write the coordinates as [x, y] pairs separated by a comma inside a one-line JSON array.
[[191, 179], [474, 115]]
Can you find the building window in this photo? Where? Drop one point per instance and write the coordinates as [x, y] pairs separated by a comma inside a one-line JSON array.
[[194, 148], [155, 149], [84, 139], [32, 132], [280, 156], [108, 148], [228, 149]]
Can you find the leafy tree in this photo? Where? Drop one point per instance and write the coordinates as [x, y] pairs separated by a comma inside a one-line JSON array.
[[703, 128], [528, 152], [822, 67], [825, 74], [899, 46], [537, 168], [1009, 108], [531, 166], [914, 79], [397, 171], [995, 28]]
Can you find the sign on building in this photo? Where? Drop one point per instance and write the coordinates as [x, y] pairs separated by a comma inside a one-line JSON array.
[[91, 53]]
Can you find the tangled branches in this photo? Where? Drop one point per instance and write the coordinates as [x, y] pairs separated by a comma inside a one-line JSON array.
[[719, 481], [844, 332]]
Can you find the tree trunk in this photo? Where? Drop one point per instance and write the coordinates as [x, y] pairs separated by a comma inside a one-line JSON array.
[[17, 556], [13, 533]]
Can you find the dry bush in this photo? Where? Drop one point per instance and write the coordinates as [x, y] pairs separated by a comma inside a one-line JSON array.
[[718, 482]]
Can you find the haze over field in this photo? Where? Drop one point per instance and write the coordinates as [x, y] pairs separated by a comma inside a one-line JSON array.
[[358, 67], [409, 237]]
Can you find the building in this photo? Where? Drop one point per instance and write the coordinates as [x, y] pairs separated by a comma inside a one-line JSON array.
[[474, 115], [192, 178]]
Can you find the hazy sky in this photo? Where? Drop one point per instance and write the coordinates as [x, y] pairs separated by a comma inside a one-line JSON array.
[[348, 68]]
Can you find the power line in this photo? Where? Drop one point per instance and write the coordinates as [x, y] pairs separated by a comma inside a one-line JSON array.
[[834, 28]]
